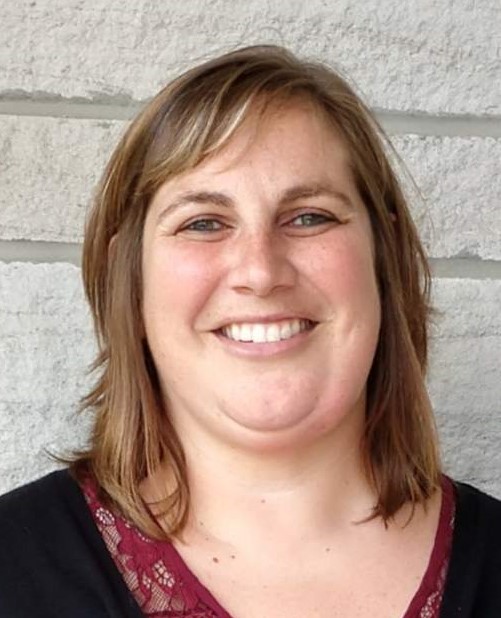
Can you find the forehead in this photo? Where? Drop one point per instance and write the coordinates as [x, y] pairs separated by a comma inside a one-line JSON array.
[[281, 144]]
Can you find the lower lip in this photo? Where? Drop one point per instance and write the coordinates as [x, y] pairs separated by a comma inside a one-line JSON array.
[[249, 349]]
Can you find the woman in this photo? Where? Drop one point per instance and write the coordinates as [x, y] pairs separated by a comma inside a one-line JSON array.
[[263, 441]]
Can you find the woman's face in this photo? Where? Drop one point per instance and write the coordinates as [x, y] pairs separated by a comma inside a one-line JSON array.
[[260, 301]]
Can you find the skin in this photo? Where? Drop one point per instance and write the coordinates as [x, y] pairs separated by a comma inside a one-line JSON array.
[[261, 260], [274, 433]]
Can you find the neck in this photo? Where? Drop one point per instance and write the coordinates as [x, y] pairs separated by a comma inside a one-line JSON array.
[[240, 497]]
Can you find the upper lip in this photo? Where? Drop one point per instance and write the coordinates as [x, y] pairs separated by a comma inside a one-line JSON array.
[[264, 319]]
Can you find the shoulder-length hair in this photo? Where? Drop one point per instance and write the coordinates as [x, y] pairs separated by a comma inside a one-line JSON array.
[[192, 117]]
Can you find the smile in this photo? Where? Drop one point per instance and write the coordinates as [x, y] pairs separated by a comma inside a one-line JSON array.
[[266, 333]]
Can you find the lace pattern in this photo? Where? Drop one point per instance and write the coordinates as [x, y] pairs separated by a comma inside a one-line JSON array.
[[431, 607], [145, 565], [148, 568]]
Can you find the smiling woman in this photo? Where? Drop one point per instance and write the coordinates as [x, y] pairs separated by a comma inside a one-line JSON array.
[[271, 235], [261, 302]]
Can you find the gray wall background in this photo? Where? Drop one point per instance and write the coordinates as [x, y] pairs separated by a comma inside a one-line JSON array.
[[73, 72]]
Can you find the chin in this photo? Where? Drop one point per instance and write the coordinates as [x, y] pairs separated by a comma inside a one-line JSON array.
[[267, 426]]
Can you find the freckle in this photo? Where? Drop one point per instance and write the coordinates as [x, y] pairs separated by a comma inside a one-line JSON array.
[[327, 549], [263, 501], [232, 557], [215, 559]]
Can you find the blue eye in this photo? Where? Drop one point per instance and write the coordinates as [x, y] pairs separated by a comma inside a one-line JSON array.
[[204, 225], [309, 219]]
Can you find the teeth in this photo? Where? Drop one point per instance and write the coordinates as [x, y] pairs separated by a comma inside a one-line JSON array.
[[245, 333], [259, 333], [285, 330], [235, 331], [273, 332], [265, 333]]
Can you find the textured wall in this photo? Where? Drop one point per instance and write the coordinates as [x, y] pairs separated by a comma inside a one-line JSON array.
[[73, 72]]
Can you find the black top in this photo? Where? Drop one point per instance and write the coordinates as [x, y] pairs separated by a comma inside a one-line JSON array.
[[54, 563]]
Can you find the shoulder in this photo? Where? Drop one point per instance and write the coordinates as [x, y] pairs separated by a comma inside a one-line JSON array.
[[37, 488], [476, 506], [474, 574], [40, 502], [51, 551], [40, 520]]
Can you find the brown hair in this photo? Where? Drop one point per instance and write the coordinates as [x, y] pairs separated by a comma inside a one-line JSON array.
[[190, 118]]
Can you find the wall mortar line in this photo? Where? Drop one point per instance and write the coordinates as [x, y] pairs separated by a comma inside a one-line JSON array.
[[116, 108]]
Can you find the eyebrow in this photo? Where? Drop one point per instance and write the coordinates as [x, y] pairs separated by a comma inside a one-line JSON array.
[[216, 198]]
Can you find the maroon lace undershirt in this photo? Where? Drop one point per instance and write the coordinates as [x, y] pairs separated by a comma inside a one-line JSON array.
[[163, 585]]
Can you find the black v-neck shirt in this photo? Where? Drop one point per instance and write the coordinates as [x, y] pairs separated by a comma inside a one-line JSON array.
[[54, 563]]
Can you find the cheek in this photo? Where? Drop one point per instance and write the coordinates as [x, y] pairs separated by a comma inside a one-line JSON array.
[[344, 269], [178, 280]]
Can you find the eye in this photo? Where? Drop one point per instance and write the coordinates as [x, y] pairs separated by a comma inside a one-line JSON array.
[[311, 219], [203, 225]]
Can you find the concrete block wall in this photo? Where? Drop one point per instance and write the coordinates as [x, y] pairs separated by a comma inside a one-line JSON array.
[[71, 75]]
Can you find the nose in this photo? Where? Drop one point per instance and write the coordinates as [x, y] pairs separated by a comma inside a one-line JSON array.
[[261, 264]]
